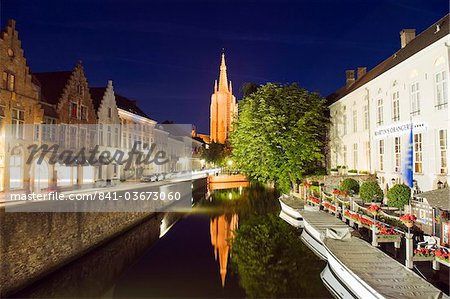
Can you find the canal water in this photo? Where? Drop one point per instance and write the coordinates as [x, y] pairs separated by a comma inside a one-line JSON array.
[[231, 245]]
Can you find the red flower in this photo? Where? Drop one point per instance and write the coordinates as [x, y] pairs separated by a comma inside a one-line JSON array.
[[408, 217]]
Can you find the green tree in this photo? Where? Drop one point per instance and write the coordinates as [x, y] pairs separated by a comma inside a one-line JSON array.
[[217, 153], [350, 185], [272, 261], [279, 134], [371, 191], [398, 196]]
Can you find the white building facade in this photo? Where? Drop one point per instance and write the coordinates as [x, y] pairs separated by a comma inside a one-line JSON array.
[[371, 116]]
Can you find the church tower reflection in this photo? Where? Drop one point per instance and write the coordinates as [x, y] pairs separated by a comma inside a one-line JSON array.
[[222, 233]]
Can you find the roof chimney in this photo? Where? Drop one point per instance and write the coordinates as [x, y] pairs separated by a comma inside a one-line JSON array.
[[350, 77], [407, 35], [361, 71]]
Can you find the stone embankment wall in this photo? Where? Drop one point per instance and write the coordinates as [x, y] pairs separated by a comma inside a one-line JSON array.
[[34, 244]]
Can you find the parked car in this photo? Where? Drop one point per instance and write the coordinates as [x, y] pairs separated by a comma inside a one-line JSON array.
[[160, 177], [149, 178]]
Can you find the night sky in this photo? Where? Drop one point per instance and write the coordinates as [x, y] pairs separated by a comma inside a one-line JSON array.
[[166, 54]]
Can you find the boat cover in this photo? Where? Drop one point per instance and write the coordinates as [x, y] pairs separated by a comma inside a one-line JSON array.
[[342, 234]]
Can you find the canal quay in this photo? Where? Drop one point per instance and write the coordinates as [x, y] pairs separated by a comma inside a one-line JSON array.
[[355, 268], [214, 251]]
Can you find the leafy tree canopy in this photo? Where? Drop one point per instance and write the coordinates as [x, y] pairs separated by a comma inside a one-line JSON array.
[[279, 134]]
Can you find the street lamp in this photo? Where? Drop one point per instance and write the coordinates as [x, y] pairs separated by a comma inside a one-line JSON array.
[[230, 162]]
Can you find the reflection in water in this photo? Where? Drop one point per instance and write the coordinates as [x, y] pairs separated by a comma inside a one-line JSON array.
[[170, 256], [222, 233]]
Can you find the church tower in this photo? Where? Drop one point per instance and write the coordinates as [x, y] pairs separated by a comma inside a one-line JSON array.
[[223, 106]]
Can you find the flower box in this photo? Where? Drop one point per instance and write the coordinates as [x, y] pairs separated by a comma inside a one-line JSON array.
[[419, 258], [388, 238]]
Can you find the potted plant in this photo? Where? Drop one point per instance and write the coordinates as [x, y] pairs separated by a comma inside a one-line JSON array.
[[408, 220], [350, 185], [370, 191]]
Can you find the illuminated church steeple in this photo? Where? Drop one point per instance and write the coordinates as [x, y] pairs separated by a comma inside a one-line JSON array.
[[223, 106]]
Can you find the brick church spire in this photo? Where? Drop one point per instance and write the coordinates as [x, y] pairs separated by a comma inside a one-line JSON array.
[[223, 81], [223, 106]]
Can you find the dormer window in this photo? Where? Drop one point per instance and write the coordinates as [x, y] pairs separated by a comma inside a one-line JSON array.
[[109, 112]]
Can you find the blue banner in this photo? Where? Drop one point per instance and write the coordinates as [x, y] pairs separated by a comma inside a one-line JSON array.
[[408, 173]]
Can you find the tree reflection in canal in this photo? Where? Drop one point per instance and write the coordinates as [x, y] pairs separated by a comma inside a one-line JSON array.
[[267, 253]]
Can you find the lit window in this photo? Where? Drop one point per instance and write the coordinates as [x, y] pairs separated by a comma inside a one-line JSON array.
[[395, 106], [73, 110], [418, 153], [441, 90], [398, 154], [380, 111], [366, 117], [8, 81], [381, 155], [443, 150], [415, 99], [17, 123]]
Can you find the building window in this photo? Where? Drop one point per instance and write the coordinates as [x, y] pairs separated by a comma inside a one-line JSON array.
[[73, 110], [109, 112], [440, 82], [116, 137], [366, 117], [367, 151], [355, 155], [18, 117], [108, 136], [73, 134], [355, 121], [418, 153], [344, 155], [344, 122], [397, 154], [83, 134], [8, 81], [80, 90], [381, 155], [83, 112], [415, 99], [15, 172], [443, 150], [395, 106], [380, 112], [100, 134]]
